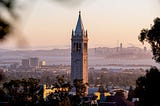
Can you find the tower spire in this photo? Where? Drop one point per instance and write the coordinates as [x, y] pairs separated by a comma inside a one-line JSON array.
[[79, 53], [79, 27]]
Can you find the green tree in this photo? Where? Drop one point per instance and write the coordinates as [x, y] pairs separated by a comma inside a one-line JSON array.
[[61, 96], [148, 89], [152, 36], [80, 87], [22, 92]]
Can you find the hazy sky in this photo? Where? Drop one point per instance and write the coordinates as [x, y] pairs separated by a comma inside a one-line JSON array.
[[109, 22]]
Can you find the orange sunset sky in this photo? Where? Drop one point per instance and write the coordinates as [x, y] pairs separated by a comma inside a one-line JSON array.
[[48, 23]]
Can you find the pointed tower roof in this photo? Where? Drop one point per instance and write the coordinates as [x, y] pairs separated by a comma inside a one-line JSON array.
[[79, 27]]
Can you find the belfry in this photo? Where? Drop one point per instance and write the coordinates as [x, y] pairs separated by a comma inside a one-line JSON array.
[[79, 52]]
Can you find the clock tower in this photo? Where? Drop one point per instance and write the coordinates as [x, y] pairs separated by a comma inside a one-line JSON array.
[[79, 52]]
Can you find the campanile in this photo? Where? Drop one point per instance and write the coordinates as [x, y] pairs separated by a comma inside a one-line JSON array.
[[79, 52]]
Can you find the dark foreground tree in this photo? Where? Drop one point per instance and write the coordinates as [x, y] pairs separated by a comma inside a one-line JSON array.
[[148, 89], [5, 25], [81, 89], [61, 96], [22, 92], [152, 36]]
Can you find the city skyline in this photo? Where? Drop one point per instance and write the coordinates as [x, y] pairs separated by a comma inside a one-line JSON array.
[[48, 25]]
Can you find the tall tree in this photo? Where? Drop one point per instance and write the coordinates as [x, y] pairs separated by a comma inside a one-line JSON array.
[[152, 36], [148, 89]]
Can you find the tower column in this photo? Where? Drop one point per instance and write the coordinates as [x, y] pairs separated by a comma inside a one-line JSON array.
[[79, 52]]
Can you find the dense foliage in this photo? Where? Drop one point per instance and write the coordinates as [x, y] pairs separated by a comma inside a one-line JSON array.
[[29, 92], [152, 36], [61, 96], [148, 89], [22, 91]]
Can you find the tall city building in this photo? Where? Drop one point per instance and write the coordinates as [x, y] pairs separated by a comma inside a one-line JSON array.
[[79, 52], [25, 63], [34, 62]]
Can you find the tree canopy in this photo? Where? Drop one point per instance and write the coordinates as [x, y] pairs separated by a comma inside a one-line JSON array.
[[22, 91], [148, 89], [152, 36]]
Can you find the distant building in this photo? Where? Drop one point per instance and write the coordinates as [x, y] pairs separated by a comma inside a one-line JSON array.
[[14, 66], [79, 52], [42, 63], [25, 63], [34, 62]]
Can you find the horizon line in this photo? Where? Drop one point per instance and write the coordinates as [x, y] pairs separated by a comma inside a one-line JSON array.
[[52, 48]]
